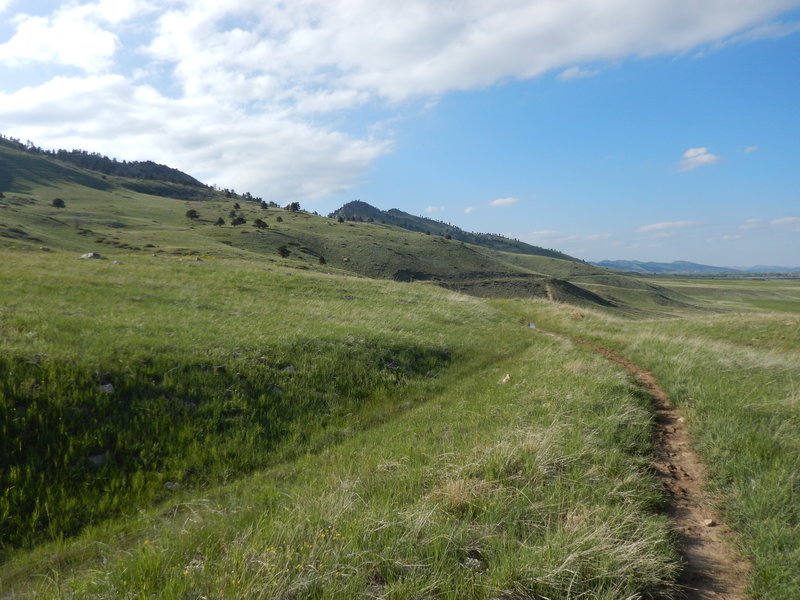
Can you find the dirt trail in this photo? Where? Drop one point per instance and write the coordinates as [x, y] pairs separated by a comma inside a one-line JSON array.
[[549, 290], [713, 570]]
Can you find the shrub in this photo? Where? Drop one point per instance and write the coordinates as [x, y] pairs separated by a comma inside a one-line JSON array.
[[192, 214], [59, 203], [283, 251]]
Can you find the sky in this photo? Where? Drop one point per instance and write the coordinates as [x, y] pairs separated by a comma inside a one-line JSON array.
[[607, 129]]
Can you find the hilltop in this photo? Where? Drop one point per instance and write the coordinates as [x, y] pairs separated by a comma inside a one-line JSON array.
[[363, 212]]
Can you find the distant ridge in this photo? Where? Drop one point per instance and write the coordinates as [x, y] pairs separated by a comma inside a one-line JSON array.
[[361, 211], [146, 170], [682, 267]]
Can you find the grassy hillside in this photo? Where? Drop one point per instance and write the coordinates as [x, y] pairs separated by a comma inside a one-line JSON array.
[[396, 460], [313, 409], [358, 211], [111, 214]]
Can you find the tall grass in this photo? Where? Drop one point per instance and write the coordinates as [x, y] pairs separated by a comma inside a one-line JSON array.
[[535, 488], [332, 437], [736, 379]]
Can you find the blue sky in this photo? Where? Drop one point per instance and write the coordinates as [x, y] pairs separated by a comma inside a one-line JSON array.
[[639, 129]]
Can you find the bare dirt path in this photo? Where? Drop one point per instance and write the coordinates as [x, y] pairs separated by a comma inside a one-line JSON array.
[[549, 291], [713, 570]]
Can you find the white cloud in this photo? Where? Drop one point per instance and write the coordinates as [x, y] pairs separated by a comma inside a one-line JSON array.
[[214, 141], [238, 91], [697, 157], [730, 237], [4, 5], [71, 36], [503, 201], [750, 149], [750, 224], [576, 72], [434, 209], [469, 210], [665, 226], [785, 221], [597, 237]]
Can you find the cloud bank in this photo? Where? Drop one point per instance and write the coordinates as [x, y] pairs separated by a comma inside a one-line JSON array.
[[249, 93]]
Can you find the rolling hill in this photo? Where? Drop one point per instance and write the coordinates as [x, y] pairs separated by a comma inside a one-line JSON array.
[[171, 214]]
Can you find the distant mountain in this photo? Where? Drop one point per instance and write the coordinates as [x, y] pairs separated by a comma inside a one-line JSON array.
[[771, 269], [682, 267], [362, 212]]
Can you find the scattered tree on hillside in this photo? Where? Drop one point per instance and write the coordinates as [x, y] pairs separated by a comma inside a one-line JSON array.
[[279, 219], [264, 204], [260, 224], [220, 222], [340, 220], [293, 206], [59, 203], [238, 221], [232, 214], [322, 260], [236, 206], [283, 251], [192, 214]]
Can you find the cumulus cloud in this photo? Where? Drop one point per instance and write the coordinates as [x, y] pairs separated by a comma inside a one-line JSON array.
[[503, 201], [730, 237], [656, 227], [576, 72], [750, 149], [214, 141], [244, 87], [469, 210], [697, 157], [433, 209]]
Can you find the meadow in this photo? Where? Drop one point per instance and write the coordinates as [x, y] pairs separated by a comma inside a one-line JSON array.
[[269, 431], [200, 415]]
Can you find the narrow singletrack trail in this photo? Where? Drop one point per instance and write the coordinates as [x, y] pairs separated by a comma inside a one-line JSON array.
[[713, 569]]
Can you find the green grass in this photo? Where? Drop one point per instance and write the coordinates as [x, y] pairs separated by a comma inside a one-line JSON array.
[[438, 480], [195, 416], [735, 377]]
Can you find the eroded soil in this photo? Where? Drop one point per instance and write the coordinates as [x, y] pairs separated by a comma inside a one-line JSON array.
[[713, 569]]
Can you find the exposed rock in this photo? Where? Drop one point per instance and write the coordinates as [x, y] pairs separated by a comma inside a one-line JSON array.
[[91, 255], [107, 388], [98, 460], [506, 378], [172, 485]]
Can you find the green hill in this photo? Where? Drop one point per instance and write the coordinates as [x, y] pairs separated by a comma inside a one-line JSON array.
[[363, 212], [293, 407], [176, 215]]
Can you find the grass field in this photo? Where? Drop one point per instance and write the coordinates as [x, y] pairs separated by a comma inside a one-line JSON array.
[[197, 416], [735, 377]]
